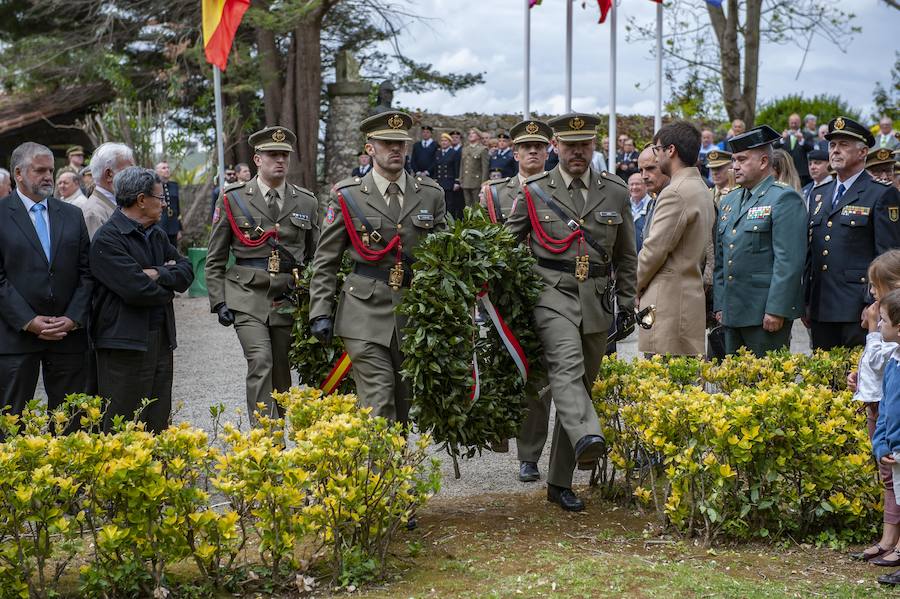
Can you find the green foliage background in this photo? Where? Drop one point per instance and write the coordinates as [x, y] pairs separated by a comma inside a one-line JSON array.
[[775, 112]]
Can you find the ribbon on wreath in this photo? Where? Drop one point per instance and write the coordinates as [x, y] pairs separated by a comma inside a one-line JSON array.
[[513, 347], [338, 373]]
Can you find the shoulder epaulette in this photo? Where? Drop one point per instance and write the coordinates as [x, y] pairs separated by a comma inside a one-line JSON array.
[[496, 181], [821, 184], [348, 182], [302, 190], [885, 183], [781, 184], [428, 181], [235, 185], [536, 177], [614, 178]]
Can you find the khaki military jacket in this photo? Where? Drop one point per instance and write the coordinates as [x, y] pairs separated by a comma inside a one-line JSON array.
[[249, 289], [366, 306], [507, 190], [473, 165], [607, 218], [760, 254]]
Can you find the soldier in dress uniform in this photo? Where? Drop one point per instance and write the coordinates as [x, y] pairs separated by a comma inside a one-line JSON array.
[[446, 174], [473, 167], [854, 218], [502, 163], [760, 249], [580, 228], [500, 197], [170, 220], [271, 227], [722, 176], [719, 164], [385, 208], [880, 164]]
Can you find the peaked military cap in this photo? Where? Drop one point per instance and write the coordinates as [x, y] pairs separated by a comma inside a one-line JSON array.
[[878, 156], [273, 139], [717, 158], [75, 150], [849, 128], [531, 130], [575, 126], [754, 138], [427, 128], [817, 155], [502, 135], [392, 125]]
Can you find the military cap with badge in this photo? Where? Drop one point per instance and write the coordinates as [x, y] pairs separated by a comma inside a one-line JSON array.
[[531, 131], [387, 126], [717, 158], [880, 164], [846, 127], [575, 127], [75, 151]]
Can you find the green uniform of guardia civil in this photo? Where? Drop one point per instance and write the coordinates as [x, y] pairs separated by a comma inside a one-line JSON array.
[[365, 317], [262, 317], [760, 257], [570, 318]]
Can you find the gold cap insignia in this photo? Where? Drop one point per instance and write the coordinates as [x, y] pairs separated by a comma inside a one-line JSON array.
[[278, 136], [839, 123], [883, 154], [395, 122], [531, 128], [712, 156], [576, 123]]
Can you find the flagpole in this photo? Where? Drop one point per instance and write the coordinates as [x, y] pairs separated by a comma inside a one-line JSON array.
[[569, 55], [220, 136], [526, 112], [657, 120], [612, 89]]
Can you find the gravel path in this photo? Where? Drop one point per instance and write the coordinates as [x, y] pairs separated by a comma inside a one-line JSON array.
[[210, 370]]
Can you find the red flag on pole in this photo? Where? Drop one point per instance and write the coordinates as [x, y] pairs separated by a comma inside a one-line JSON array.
[[605, 6], [220, 22]]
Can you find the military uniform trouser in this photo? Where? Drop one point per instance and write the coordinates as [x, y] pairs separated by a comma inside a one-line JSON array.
[[533, 431], [470, 194], [266, 350], [376, 372], [573, 361], [826, 335], [757, 339]]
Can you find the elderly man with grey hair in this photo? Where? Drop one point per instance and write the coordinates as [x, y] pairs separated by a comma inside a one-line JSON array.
[[45, 286], [5, 183], [108, 159], [137, 273]]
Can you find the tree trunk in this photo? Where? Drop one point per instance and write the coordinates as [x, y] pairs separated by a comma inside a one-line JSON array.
[[270, 67], [307, 70], [751, 59]]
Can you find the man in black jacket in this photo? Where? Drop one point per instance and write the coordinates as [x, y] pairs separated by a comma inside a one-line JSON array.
[[45, 286], [424, 153], [137, 271]]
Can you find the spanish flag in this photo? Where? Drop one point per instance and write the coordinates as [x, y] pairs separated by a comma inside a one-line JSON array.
[[220, 22]]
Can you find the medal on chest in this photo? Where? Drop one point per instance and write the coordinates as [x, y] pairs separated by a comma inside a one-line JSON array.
[[582, 267]]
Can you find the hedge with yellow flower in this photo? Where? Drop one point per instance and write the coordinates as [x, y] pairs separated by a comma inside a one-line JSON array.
[[747, 448]]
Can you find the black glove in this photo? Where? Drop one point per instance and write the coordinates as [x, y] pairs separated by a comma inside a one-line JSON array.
[[625, 322], [322, 328], [226, 316]]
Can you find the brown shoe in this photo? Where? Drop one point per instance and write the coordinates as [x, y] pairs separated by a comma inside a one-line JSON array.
[[891, 559]]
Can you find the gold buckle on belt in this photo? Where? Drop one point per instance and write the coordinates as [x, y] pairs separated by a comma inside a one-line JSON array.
[[395, 277], [582, 267], [274, 263]]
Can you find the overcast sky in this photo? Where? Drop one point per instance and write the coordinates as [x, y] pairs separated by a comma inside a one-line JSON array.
[[487, 36]]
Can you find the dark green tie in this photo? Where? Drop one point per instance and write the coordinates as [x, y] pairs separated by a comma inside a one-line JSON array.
[[576, 195], [393, 192], [272, 199], [745, 198]]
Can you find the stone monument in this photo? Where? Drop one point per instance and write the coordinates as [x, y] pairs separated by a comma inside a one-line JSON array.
[[348, 106]]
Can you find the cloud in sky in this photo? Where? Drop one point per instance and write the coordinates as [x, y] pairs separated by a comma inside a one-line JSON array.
[[487, 36]]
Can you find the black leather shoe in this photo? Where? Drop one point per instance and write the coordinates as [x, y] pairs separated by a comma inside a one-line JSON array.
[[528, 472], [590, 448], [564, 498], [890, 578]]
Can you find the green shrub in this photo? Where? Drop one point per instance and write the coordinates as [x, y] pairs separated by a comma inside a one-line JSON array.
[[775, 112]]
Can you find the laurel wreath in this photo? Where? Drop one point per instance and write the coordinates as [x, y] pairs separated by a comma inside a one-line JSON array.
[[452, 267]]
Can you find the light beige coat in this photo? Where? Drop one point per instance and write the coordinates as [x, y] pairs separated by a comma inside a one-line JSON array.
[[669, 266], [97, 211]]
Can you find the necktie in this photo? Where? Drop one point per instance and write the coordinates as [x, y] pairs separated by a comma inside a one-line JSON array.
[[576, 195], [883, 140], [793, 141], [272, 199], [393, 192], [745, 197], [40, 225], [837, 198]]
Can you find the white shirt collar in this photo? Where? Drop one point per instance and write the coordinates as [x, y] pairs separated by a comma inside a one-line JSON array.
[[848, 183], [29, 203]]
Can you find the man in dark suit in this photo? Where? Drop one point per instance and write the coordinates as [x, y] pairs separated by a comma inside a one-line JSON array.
[[854, 219], [423, 153], [364, 166], [45, 286], [798, 143], [170, 221], [446, 173]]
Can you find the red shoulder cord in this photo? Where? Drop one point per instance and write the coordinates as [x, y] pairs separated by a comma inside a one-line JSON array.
[[489, 203], [367, 253], [551, 244], [253, 243]]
